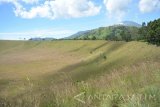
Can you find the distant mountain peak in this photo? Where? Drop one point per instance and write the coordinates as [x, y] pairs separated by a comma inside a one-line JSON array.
[[129, 23], [77, 34]]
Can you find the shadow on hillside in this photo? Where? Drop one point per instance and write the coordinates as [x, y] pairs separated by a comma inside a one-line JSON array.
[[31, 44], [100, 46], [74, 74], [88, 66], [77, 49]]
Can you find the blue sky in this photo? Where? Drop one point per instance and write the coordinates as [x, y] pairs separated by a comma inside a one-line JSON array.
[[21, 19]]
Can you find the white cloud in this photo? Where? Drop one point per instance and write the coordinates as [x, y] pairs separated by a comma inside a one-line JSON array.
[[149, 5], [73, 8], [39, 11], [117, 8], [7, 1], [25, 1], [56, 9], [30, 1]]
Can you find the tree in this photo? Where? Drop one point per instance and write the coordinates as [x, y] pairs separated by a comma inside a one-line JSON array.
[[126, 36], [93, 38], [85, 38], [110, 36], [153, 32], [143, 31], [143, 24]]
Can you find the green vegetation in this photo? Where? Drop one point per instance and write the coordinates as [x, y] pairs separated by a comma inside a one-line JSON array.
[[102, 73], [116, 33], [151, 32]]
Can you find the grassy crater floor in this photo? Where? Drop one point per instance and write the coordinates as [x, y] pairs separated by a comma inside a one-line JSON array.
[[78, 73]]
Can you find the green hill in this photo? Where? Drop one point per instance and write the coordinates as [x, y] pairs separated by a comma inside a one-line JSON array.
[[79, 74], [117, 32]]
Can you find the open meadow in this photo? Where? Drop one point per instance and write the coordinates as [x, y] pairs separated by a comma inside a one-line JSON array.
[[79, 73]]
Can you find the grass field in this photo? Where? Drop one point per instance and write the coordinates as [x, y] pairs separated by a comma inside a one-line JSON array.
[[79, 74]]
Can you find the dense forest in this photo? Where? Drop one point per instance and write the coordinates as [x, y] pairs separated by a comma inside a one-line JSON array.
[[151, 32]]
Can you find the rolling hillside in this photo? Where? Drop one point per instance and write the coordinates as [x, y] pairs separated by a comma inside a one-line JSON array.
[[116, 32], [77, 34], [57, 73]]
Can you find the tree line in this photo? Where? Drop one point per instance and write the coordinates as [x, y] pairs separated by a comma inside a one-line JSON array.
[[150, 32]]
